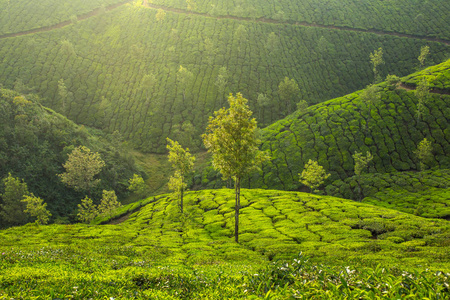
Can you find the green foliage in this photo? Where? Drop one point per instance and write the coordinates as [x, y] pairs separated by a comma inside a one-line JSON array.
[[423, 19], [35, 142], [302, 106], [23, 15], [313, 175], [392, 81], [87, 210], [361, 161], [37, 208], [108, 204], [288, 91], [424, 153], [137, 185], [81, 167], [182, 163], [424, 51], [231, 138], [376, 58], [422, 94], [12, 208]]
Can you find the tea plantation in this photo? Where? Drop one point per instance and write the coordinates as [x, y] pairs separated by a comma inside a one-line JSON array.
[[354, 250], [121, 67], [331, 132]]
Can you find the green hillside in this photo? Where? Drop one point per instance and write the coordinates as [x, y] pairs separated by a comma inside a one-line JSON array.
[[121, 68], [157, 251], [426, 194], [19, 15], [332, 131], [404, 16], [34, 143]]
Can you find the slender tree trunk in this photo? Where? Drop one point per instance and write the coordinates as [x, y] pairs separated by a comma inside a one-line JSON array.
[[181, 202], [237, 188]]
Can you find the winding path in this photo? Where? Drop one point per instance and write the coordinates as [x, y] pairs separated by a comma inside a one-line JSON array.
[[260, 20]]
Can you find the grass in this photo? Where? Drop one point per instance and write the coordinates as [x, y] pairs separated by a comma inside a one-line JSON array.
[[157, 252]]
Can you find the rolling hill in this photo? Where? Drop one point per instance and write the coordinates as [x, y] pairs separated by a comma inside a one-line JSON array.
[[158, 251], [331, 132]]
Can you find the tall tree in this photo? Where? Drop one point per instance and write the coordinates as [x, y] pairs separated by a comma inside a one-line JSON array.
[[231, 137], [81, 168], [87, 210], [272, 43], [422, 94], [184, 78], [240, 36], [221, 82], [160, 15], [182, 162], [361, 163], [262, 101], [62, 92], [109, 203], [12, 208], [36, 207], [376, 58], [288, 91], [424, 51], [370, 96], [424, 153]]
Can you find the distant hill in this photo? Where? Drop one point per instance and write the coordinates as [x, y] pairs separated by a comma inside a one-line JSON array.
[[121, 67], [421, 18], [34, 143]]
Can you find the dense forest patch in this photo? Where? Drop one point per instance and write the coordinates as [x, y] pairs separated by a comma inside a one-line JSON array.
[[34, 143]]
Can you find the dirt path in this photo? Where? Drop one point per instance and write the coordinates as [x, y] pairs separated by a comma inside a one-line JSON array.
[[407, 87], [260, 20]]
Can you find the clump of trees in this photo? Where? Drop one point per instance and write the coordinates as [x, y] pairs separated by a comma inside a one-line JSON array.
[[18, 202]]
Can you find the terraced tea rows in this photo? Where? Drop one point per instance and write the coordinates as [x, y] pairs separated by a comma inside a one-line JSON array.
[[130, 82], [425, 193], [157, 252], [273, 225]]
